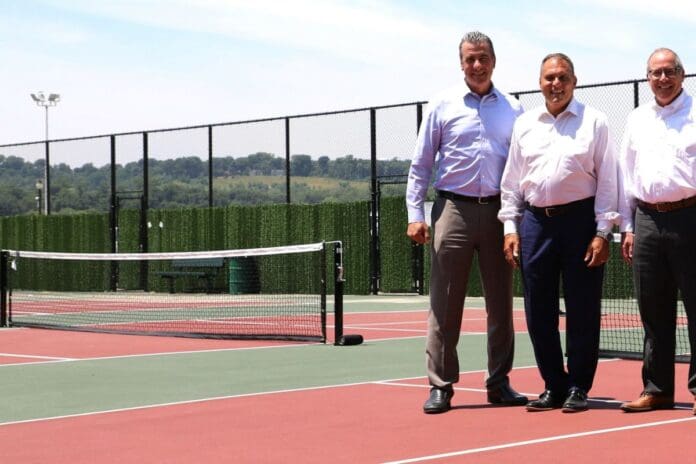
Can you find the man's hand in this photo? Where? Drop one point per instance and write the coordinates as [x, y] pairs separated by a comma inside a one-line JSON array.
[[419, 232], [627, 246], [511, 250], [597, 252]]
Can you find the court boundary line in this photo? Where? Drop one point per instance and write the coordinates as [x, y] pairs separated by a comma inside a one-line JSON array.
[[355, 326], [145, 355], [33, 356], [174, 353], [226, 397], [541, 440], [244, 395]]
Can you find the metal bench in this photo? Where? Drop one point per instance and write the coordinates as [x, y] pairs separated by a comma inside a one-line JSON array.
[[205, 269]]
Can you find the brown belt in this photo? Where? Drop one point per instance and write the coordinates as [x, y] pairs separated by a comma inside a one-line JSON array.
[[668, 206]]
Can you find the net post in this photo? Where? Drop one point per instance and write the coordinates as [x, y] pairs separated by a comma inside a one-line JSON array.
[[4, 259], [338, 293], [322, 257]]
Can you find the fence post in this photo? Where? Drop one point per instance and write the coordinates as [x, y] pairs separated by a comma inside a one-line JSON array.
[[636, 96], [374, 208], [4, 258], [144, 231], [47, 181], [210, 166], [113, 221], [287, 160]]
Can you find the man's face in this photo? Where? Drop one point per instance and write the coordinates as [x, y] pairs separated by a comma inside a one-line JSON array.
[[557, 83], [477, 63], [664, 77]]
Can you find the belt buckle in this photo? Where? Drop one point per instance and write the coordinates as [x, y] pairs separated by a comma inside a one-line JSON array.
[[482, 201], [549, 211]]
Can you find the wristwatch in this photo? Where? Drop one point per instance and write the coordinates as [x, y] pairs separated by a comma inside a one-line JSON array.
[[605, 235]]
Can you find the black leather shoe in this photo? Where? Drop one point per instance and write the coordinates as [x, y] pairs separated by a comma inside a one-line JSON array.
[[505, 395], [439, 400], [576, 401], [546, 402]]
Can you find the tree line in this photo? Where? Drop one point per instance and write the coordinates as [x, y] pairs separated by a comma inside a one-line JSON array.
[[258, 178]]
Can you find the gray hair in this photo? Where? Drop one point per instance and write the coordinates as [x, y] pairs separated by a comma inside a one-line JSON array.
[[677, 60], [559, 56], [476, 37]]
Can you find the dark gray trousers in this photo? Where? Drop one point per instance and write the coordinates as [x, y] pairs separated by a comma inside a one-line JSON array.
[[664, 262]]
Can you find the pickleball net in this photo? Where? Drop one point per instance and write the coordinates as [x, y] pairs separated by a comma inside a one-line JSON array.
[[622, 332], [261, 293]]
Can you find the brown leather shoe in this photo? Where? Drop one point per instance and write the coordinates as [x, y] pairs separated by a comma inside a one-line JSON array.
[[649, 402]]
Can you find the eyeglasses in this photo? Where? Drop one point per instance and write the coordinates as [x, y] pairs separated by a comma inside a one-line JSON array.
[[655, 74]]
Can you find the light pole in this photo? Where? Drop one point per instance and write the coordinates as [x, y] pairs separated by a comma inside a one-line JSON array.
[[46, 101]]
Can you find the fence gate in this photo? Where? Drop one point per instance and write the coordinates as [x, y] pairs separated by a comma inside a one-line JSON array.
[[139, 282], [417, 262]]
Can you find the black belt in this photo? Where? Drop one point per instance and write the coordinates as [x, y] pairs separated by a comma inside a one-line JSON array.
[[457, 197], [557, 210], [668, 206]]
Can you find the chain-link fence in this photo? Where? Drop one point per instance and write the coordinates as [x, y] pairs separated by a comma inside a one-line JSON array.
[[337, 156]]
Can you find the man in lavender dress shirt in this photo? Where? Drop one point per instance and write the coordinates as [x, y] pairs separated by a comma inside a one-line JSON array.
[[465, 136]]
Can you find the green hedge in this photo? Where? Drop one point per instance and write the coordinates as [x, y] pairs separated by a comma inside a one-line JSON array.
[[395, 251], [200, 229], [194, 229]]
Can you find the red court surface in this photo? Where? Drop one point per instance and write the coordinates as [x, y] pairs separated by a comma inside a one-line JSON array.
[[371, 422], [37, 345], [377, 421], [399, 324]]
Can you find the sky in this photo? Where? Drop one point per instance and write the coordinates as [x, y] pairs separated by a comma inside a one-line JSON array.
[[134, 65]]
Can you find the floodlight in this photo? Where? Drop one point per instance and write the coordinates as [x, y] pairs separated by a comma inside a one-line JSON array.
[[41, 100]]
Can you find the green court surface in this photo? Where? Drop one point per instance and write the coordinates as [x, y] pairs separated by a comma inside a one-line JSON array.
[[41, 387]]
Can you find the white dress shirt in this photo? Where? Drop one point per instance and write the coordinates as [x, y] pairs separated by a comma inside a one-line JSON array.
[[554, 161], [467, 137], [657, 160]]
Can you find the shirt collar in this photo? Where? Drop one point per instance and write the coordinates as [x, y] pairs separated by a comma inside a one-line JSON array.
[[676, 104], [574, 108], [493, 94]]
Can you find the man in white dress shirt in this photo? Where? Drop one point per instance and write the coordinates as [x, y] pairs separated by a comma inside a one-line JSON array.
[[559, 201], [658, 222]]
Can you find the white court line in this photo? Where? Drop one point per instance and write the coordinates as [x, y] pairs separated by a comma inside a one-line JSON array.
[[541, 440], [245, 395], [383, 329], [218, 398], [146, 355], [346, 327], [30, 356], [382, 324]]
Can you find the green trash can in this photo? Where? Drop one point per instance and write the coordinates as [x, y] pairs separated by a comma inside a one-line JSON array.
[[244, 276]]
